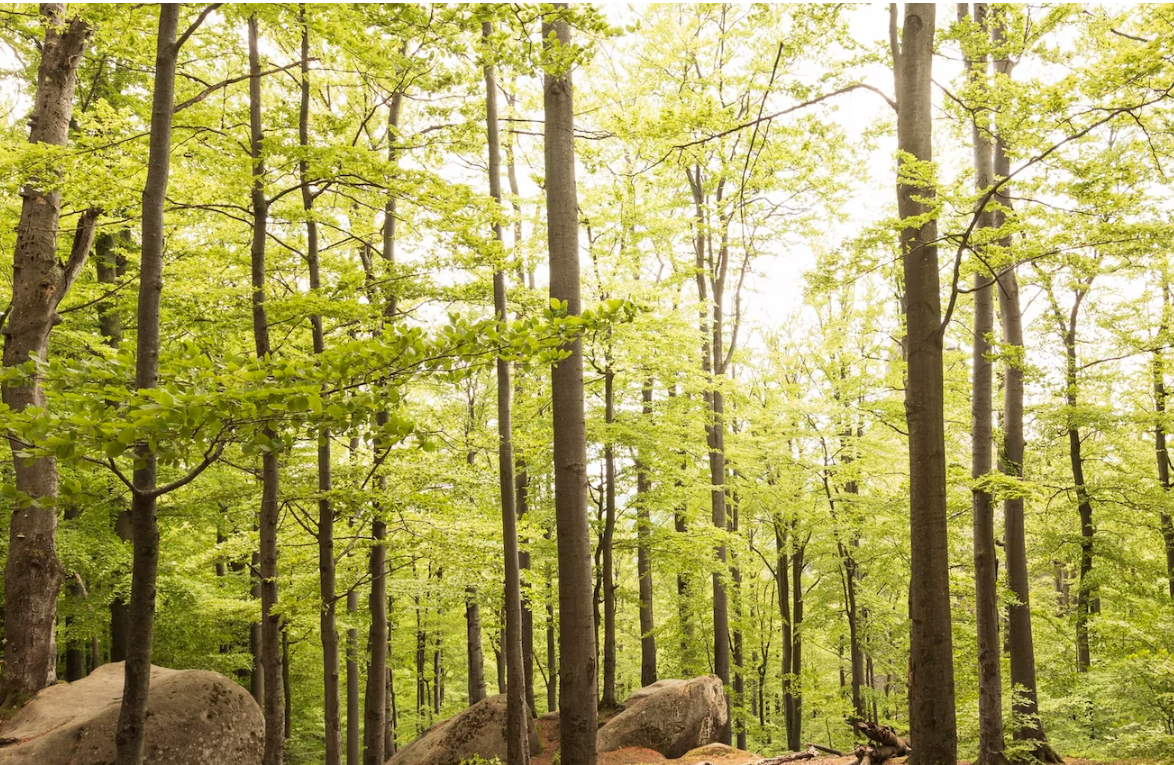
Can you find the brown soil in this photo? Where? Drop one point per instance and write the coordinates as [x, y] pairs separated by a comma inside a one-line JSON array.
[[719, 754]]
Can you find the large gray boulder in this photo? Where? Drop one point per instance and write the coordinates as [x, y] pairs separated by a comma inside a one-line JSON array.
[[193, 718], [479, 730], [670, 717]]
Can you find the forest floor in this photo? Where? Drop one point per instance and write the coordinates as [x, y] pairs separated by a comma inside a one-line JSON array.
[[719, 754]]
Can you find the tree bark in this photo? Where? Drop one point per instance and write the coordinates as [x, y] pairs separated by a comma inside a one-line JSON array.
[[990, 683], [1159, 370], [274, 706], [648, 674], [1025, 703], [577, 721], [476, 659], [608, 699], [32, 574], [111, 267], [132, 718], [327, 620], [517, 708], [931, 668], [522, 476], [375, 698], [353, 725]]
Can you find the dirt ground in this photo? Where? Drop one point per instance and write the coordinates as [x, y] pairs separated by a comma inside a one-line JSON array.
[[720, 754]]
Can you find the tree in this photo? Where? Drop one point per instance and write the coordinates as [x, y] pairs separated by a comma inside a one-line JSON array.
[[931, 668], [577, 719], [268, 517], [990, 690], [517, 709], [32, 573]]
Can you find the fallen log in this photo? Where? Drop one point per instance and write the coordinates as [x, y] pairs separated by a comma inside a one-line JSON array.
[[885, 743], [826, 750]]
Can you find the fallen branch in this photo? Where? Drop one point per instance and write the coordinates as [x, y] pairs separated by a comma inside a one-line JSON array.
[[811, 753]]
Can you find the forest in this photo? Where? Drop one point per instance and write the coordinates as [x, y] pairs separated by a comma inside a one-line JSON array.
[[383, 357]]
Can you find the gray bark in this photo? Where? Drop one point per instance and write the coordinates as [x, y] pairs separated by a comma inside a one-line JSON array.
[[931, 669], [32, 574], [577, 721]]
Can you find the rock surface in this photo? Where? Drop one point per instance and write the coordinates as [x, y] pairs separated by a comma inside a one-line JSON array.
[[479, 730], [671, 717], [193, 718]]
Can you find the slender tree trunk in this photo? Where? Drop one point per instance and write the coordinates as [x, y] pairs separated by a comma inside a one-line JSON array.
[[287, 728], [1159, 370], [32, 574], [1025, 704], [607, 543], [577, 721], [736, 578], [798, 563], [375, 699], [990, 683], [352, 683], [132, 719], [517, 708], [274, 706], [327, 626], [648, 674], [712, 366], [551, 638], [931, 668], [476, 660], [522, 477], [111, 267]]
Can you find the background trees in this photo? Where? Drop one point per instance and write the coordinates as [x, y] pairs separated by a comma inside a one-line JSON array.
[[744, 349]]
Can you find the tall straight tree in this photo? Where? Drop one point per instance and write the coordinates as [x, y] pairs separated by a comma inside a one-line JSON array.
[[517, 708], [32, 573], [648, 674], [931, 657], [271, 656], [327, 628], [376, 696], [1165, 523], [577, 702], [990, 682], [145, 492], [1025, 696]]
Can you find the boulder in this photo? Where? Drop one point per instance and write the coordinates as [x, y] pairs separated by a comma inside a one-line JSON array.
[[672, 719], [479, 730], [193, 718]]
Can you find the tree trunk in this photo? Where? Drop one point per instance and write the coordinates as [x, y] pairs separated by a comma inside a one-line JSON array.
[[522, 477], [327, 626], [476, 660], [577, 721], [990, 683], [1025, 703], [1085, 596], [712, 366], [274, 706], [132, 718], [517, 708], [32, 574], [608, 700], [352, 683], [739, 687], [551, 639], [1159, 370], [375, 699], [648, 674], [931, 667], [111, 267]]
